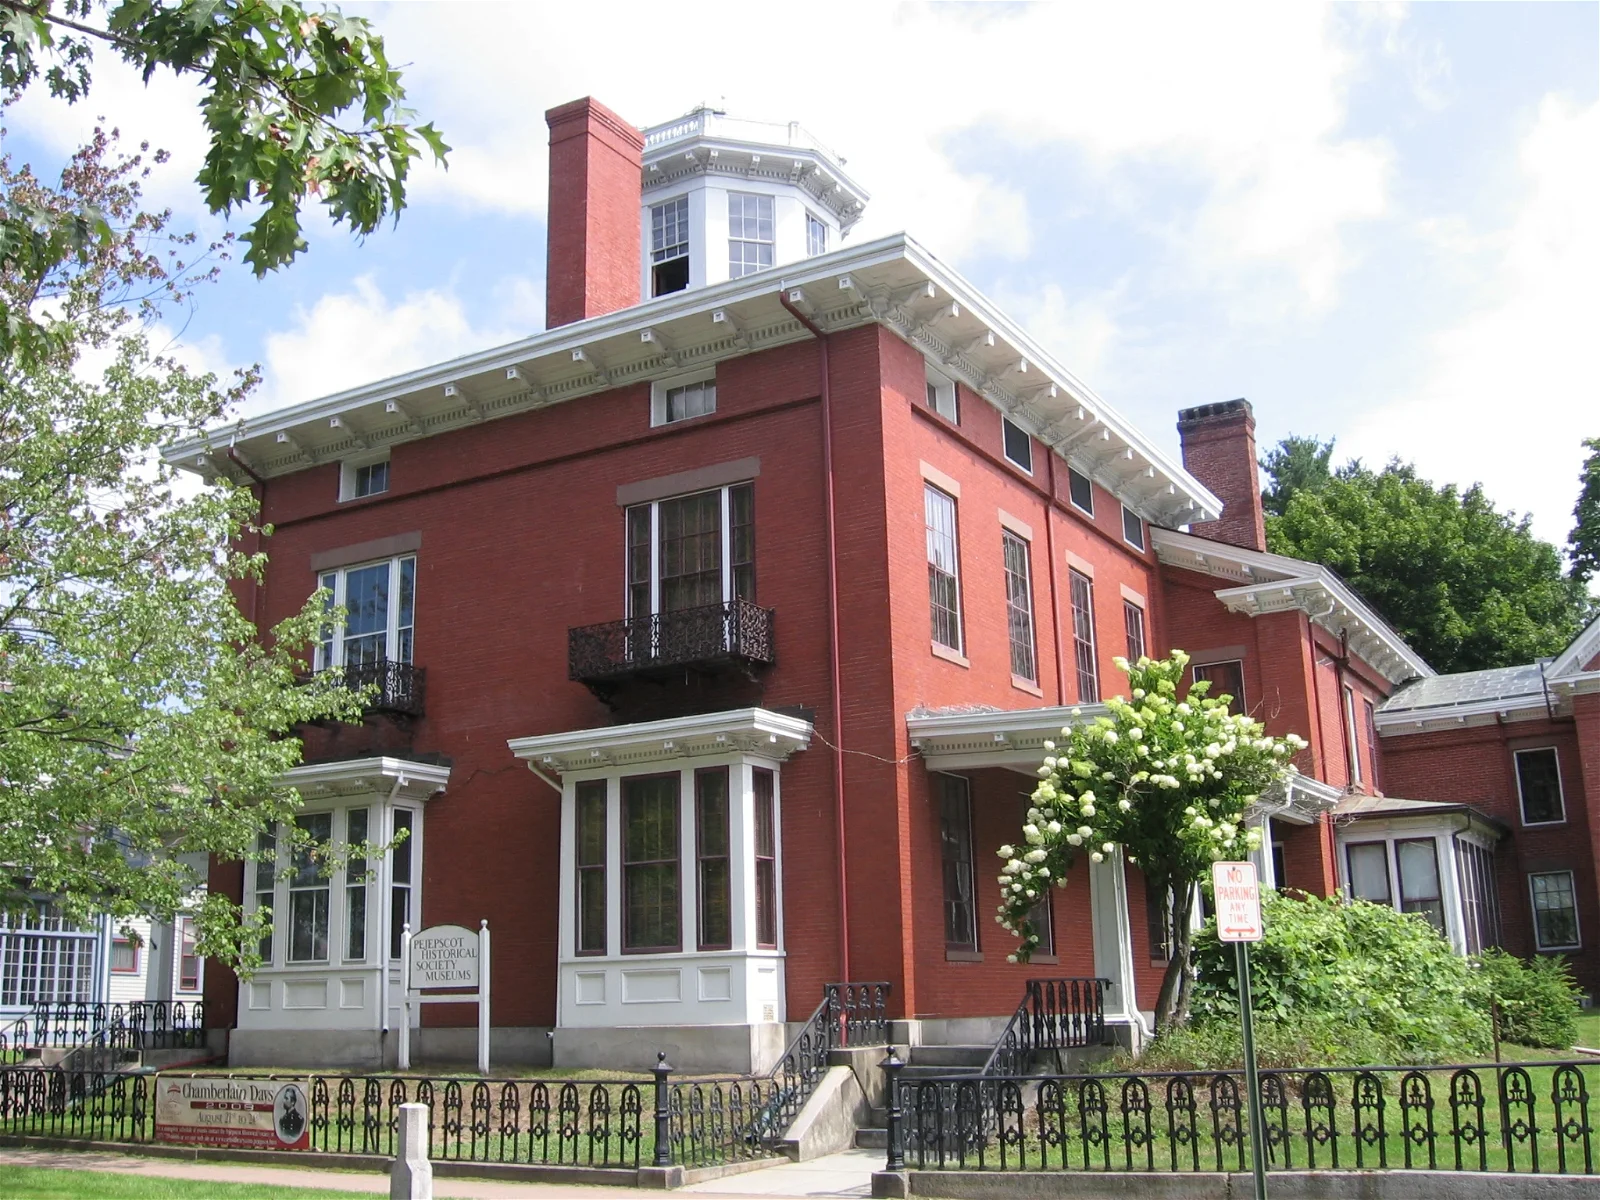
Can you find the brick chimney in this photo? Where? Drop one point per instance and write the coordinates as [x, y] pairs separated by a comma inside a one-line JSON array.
[[1219, 449], [592, 264]]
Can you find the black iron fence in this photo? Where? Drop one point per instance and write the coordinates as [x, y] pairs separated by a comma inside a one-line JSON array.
[[1055, 1015], [136, 1025], [1526, 1117]]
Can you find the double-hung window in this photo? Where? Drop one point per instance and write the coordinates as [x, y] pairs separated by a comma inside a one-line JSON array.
[[669, 246], [692, 551], [590, 803], [1019, 606], [944, 571], [379, 600], [191, 968], [1539, 786], [308, 891], [650, 864], [1555, 910], [955, 834], [749, 233], [1082, 589], [816, 235], [355, 888], [124, 956], [1133, 625], [711, 838]]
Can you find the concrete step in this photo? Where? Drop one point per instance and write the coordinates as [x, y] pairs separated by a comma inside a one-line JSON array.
[[872, 1139], [950, 1056]]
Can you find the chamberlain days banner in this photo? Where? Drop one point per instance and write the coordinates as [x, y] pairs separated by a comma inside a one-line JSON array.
[[215, 1110]]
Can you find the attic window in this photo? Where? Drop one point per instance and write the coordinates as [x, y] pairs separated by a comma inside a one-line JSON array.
[[942, 397], [1132, 528], [359, 479], [1081, 491], [1018, 448], [681, 398]]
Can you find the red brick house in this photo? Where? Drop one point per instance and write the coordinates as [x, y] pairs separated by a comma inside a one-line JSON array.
[[1516, 749], [716, 627]]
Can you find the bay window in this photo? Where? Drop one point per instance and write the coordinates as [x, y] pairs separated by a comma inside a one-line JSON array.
[[400, 861], [379, 600], [650, 864], [591, 866], [766, 860], [266, 873], [308, 891], [711, 830], [355, 890]]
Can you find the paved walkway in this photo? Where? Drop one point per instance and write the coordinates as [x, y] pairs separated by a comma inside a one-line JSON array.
[[839, 1175]]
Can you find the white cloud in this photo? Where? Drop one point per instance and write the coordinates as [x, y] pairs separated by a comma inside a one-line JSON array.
[[352, 337], [1508, 392], [1245, 102]]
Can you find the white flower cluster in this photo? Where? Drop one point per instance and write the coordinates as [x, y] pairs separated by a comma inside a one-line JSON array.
[[1151, 750]]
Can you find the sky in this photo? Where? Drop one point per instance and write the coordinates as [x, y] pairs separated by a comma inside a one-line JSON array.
[[1380, 224]]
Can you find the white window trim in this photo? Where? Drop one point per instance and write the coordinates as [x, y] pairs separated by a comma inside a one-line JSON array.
[[1533, 912], [960, 648], [177, 960], [1144, 537], [1561, 790], [725, 499], [392, 631], [347, 475], [944, 396], [1026, 469], [813, 219], [771, 243], [660, 387]]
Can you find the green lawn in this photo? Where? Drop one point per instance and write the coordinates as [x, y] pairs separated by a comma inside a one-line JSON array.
[[1589, 1029], [45, 1183]]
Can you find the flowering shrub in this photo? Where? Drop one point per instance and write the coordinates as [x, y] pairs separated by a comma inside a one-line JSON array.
[[1165, 780]]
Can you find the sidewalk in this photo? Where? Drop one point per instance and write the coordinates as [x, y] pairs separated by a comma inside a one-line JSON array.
[[838, 1175]]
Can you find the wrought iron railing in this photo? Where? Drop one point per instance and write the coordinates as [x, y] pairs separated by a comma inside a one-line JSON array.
[[397, 687], [1055, 1015], [1525, 1117], [737, 632], [135, 1025], [850, 1014]]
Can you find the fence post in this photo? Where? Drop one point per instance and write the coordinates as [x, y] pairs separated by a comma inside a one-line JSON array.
[[411, 1177], [892, 1066], [663, 1071]]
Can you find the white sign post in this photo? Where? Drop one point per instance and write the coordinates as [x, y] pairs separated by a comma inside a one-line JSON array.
[[1237, 893], [446, 956]]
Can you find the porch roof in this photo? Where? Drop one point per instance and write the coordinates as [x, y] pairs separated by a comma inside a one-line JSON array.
[[1357, 807], [751, 730], [402, 778]]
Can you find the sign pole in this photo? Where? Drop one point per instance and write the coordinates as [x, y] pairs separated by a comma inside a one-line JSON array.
[[1252, 1076], [1237, 893], [483, 996], [405, 997]]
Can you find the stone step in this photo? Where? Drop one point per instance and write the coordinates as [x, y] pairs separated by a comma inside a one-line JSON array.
[[949, 1056], [872, 1139]]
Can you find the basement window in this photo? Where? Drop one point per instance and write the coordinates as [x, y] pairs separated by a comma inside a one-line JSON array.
[[1019, 450], [669, 246], [363, 478]]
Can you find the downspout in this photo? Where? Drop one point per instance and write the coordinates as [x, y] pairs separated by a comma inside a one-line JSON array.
[[1050, 549], [833, 630]]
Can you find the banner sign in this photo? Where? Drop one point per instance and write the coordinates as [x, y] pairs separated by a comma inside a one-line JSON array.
[[216, 1110], [444, 956], [1238, 895]]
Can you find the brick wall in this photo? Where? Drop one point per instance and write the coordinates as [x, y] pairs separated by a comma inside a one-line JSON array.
[[1219, 449]]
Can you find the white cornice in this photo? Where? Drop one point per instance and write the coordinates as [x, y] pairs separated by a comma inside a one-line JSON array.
[[892, 281], [745, 730], [1277, 583], [1013, 739], [1582, 648], [1477, 712], [357, 776]]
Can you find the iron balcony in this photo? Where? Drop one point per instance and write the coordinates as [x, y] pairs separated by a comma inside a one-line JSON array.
[[735, 635], [399, 685]]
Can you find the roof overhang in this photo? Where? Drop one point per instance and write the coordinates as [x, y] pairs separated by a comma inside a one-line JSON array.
[[1394, 812], [400, 778], [1013, 739], [1400, 721], [1580, 652], [892, 281], [757, 731], [1272, 583], [1297, 800]]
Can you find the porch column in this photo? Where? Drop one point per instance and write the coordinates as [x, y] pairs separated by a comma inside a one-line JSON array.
[[1113, 942]]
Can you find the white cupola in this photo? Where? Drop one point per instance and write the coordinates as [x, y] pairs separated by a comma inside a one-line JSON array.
[[724, 198]]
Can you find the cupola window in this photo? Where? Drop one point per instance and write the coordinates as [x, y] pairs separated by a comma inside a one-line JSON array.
[[749, 233], [669, 246]]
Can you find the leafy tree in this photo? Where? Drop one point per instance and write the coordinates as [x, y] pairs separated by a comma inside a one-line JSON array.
[[298, 104], [1294, 464], [1168, 781], [141, 716], [1467, 585], [1584, 540]]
